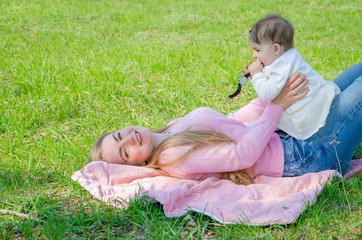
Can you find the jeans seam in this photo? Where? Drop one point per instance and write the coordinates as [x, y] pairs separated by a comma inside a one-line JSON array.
[[296, 146]]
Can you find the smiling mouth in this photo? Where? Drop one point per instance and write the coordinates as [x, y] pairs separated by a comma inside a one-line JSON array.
[[139, 137]]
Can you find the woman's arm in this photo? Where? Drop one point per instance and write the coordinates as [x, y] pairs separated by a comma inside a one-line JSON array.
[[250, 112], [247, 149], [226, 157]]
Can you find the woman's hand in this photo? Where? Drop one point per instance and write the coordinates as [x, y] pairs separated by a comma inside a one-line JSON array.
[[292, 91]]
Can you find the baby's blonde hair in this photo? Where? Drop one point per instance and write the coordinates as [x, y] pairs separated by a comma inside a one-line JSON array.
[[195, 138]]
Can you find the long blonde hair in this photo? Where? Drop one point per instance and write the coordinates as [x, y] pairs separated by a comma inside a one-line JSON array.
[[195, 138]]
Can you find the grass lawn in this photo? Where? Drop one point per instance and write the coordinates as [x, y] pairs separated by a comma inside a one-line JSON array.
[[73, 70]]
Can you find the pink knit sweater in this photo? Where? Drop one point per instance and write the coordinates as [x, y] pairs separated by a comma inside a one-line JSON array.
[[257, 148]]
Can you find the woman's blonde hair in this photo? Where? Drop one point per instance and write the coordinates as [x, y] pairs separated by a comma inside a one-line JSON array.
[[194, 138]]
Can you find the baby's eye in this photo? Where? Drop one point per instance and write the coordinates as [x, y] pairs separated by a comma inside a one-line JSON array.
[[119, 136]]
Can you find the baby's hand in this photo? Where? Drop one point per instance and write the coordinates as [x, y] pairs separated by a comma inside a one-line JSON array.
[[247, 69], [255, 67]]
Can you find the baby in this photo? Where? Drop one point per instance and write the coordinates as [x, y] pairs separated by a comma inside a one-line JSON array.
[[271, 39]]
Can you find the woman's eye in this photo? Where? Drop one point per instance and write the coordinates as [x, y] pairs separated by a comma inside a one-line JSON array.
[[126, 153], [119, 136]]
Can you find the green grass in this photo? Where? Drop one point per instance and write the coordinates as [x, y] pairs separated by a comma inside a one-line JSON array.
[[73, 70]]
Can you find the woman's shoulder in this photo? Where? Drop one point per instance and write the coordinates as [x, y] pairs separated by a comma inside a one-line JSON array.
[[210, 112], [202, 118], [203, 112]]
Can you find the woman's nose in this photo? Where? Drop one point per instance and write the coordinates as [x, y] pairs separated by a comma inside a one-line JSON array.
[[127, 141]]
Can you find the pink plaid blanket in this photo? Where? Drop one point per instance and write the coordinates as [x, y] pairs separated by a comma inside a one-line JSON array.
[[269, 201]]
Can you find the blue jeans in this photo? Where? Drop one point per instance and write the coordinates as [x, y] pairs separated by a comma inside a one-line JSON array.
[[332, 147]]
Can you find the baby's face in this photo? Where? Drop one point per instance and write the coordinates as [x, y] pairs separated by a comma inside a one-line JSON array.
[[264, 52]]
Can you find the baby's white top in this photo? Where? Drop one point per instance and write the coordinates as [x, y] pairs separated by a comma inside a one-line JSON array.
[[306, 116]]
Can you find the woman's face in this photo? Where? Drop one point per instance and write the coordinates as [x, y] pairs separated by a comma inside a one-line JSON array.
[[131, 146]]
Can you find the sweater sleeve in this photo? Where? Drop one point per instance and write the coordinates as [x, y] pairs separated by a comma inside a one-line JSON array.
[[250, 112], [268, 88], [227, 157]]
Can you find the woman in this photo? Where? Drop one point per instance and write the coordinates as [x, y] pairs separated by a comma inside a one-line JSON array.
[[246, 143]]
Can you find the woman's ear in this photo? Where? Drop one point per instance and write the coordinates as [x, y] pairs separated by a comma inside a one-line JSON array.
[[278, 50]]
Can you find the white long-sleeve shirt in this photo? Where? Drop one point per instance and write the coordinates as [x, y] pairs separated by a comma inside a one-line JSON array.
[[306, 116]]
